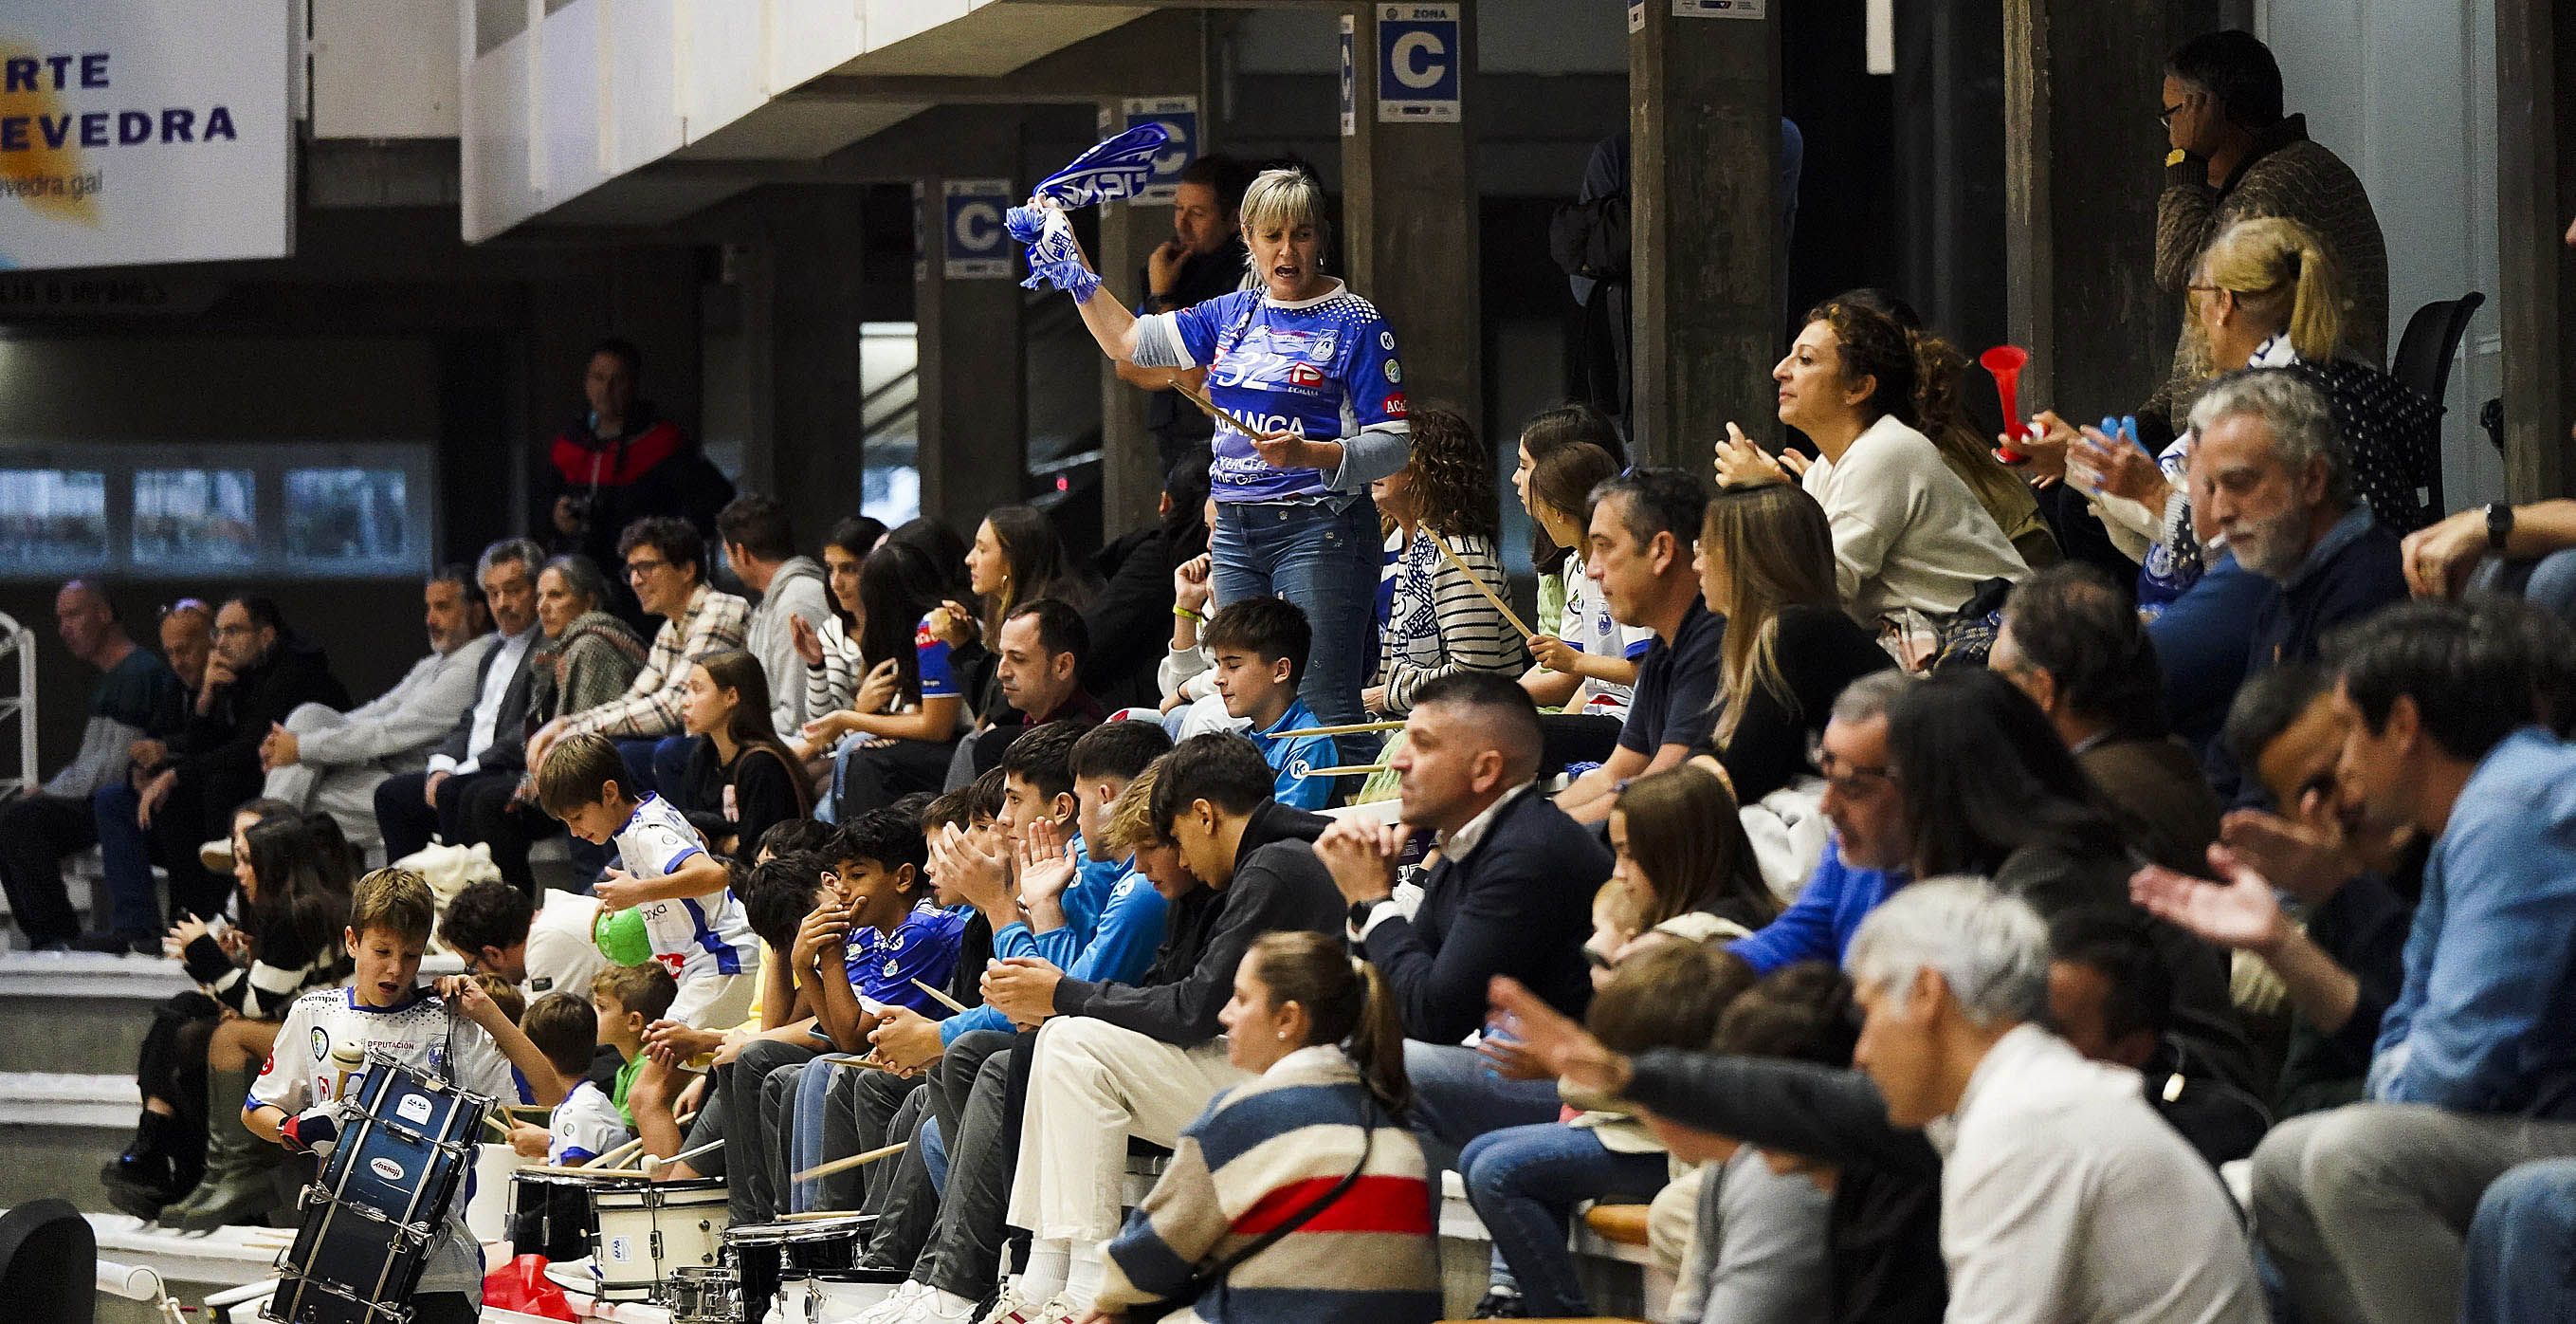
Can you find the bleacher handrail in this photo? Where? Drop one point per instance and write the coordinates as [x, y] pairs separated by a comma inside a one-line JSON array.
[[22, 641]]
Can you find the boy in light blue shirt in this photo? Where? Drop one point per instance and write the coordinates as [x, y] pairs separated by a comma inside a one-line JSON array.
[[1259, 646]]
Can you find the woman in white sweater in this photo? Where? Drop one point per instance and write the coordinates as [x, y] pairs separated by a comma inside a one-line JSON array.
[[1908, 534]]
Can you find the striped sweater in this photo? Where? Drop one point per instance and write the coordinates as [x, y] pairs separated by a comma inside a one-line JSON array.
[[1261, 1153], [711, 623], [1438, 623]]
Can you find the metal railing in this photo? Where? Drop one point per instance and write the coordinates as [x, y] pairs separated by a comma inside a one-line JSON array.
[[21, 704]]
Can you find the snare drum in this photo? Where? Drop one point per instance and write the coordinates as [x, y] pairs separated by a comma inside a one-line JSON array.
[[771, 1255], [838, 1295], [640, 1234], [550, 1212], [703, 1295], [381, 1202]]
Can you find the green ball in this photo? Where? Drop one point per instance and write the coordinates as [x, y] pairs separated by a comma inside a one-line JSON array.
[[621, 938]]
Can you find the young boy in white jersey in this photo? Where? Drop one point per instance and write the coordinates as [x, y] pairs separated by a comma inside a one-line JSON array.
[[456, 1033], [667, 876], [565, 1027]]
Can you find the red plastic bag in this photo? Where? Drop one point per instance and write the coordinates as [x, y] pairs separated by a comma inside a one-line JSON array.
[[522, 1285]]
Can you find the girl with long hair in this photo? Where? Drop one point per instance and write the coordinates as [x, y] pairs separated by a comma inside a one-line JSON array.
[[831, 653], [1311, 369], [1558, 560], [1682, 854], [1586, 662], [1766, 564], [1437, 622], [1016, 557], [742, 777], [1909, 536], [896, 735], [1317, 1136]]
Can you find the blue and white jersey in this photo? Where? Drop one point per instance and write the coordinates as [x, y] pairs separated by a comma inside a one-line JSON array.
[[1323, 368], [696, 936]]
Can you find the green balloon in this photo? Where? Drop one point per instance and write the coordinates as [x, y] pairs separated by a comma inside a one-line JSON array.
[[621, 938]]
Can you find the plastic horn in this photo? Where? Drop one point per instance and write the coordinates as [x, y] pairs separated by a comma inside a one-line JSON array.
[[1479, 583], [845, 1164], [2006, 363], [1350, 729]]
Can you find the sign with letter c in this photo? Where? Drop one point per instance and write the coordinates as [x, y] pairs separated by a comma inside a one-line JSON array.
[[977, 247], [1418, 63]]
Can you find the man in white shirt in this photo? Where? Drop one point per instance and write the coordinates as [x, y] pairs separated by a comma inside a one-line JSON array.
[[490, 737], [2048, 1160], [496, 930], [330, 762]]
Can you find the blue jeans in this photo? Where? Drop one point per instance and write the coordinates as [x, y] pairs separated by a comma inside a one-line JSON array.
[[1326, 563], [1455, 1099], [134, 904], [2522, 1248], [1525, 1181]]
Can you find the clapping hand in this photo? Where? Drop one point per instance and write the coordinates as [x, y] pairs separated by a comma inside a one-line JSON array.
[[975, 871], [2042, 446], [2121, 469], [2241, 913], [1740, 463], [1046, 863]]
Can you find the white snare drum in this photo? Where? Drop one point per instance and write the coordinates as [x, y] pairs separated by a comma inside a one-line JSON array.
[[833, 1296], [640, 1234]]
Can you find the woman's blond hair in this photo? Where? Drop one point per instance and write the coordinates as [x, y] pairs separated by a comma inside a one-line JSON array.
[[2280, 272], [1778, 552], [1288, 197]]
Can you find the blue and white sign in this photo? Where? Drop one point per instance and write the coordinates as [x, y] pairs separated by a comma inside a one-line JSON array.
[[136, 131], [1179, 117], [976, 246], [1718, 8], [1350, 78], [1418, 60]]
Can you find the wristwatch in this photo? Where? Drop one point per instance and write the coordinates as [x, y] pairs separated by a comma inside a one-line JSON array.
[[1361, 910], [2499, 526]]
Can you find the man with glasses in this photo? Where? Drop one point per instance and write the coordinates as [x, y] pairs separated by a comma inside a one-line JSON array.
[[1864, 861], [666, 563], [136, 696], [260, 672], [2236, 156], [484, 743]]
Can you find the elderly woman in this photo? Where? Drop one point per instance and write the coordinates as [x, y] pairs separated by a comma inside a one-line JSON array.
[[586, 657], [1311, 368]]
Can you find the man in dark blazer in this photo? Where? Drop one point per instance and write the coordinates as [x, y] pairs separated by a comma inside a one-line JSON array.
[[1510, 895], [490, 738]]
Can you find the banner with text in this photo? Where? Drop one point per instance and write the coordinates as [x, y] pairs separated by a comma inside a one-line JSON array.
[[140, 131]]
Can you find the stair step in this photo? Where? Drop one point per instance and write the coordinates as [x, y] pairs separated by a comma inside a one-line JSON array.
[[79, 1011]]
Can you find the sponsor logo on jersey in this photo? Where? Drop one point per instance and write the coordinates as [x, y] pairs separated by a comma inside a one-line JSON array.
[[1306, 375], [385, 1168], [1386, 341], [1394, 371], [321, 1045], [1395, 404]]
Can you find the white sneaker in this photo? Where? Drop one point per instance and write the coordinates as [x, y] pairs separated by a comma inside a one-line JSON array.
[[1010, 1308], [892, 1308], [1058, 1310]]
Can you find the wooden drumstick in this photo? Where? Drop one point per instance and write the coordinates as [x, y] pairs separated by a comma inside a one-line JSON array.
[[853, 1161], [1477, 582], [1347, 729], [495, 1123], [1351, 770], [944, 1000], [1208, 407], [656, 1165], [637, 1143], [563, 1170]]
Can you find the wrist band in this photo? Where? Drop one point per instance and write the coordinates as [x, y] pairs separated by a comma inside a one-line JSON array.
[[1188, 615]]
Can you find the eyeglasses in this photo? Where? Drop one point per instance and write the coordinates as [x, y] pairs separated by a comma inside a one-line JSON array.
[[1846, 779], [235, 631], [2165, 116], [643, 566]]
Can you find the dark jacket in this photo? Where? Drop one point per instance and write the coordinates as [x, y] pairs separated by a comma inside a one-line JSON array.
[[1131, 620], [1885, 1223], [653, 468], [223, 741], [508, 751], [1520, 904], [2155, 787], [1820, 650], [1278, 885]]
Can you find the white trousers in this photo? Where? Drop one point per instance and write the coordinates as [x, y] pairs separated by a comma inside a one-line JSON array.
[[347, 794], [1091, 1086], [714, 1002]]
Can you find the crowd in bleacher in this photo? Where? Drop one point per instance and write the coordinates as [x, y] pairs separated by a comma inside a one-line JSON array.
[[2105, 873]]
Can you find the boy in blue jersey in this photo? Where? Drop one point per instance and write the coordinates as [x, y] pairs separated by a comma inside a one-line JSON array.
[[1259, 646]]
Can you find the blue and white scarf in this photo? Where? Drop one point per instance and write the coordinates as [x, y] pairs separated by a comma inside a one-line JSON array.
[[1117, 168]]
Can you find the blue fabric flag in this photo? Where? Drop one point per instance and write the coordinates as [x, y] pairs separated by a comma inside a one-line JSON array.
[[1117, 168]]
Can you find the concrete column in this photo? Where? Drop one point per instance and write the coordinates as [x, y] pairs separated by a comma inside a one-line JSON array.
[[2083, 161], [1705, 247], [807, 284], [2535, 195], [974, 389], [1409, 227], [1131, 471]]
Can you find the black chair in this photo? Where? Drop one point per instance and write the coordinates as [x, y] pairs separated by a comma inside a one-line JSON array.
[[2423, 363], [49, 1263]]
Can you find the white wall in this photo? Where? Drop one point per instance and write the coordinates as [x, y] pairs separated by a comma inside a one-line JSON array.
[[2404, 91]]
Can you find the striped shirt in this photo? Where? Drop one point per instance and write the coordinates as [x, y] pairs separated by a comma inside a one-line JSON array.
[[1438, 623], [1261, 1154], [711, 623]]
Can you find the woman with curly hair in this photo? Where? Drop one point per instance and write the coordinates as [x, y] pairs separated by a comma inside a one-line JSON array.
[[1437, 622]]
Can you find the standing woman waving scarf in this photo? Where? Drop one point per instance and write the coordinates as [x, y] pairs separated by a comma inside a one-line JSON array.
[[1313, 367]]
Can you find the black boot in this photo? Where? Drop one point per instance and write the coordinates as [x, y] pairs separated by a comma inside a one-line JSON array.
[[146, 1176]]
